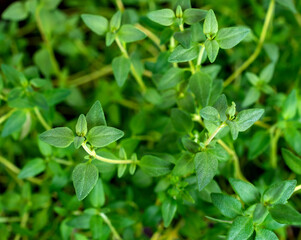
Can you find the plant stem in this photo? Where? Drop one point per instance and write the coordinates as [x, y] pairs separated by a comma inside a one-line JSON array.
[[93, 154], [9, 219], [192, 69], [47, 42], [200, 57], [116, 236], [133, 70], [297, 188], [41, 119], [214, 134], [9, 165], [238, 174], [119, 5], [258, 47], [7, 115], [151, 36], [275, 135]]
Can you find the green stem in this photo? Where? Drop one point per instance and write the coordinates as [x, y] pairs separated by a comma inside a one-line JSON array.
[[297, 188], [41, 119], [9, 219], [200, 57], [93, 154], [275, 135], [120, 5], [258, 48], [48, 45], [211, 137], [116, 236], [133, 70], [7, 115]]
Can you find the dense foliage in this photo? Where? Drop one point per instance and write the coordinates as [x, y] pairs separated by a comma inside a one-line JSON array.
[[148, 119]]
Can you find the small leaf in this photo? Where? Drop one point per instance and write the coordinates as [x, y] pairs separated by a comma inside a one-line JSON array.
[[230, 37], [97, 24], [163, 17], [280, 192], [32, 168], [259, 143], [97, 195], [233, 129], [290, 105], [78, 141], [171, 78], [193, 15], [60, 137], [205, 167], [253, 79], [227, 205], [285, 214], [128, 33], [200, 84], [121, 68], [221, 106], [81, 126], [12, 75], [95, 116], [15, 12], [289, 4], [210, 113], [291, 160], [115, 21], [246, 118], [184, 38], [260, 213], [210, 24], [181, 120], [154, 166], [181, 54], [169, 208], [84, 176], [267, 73], [102, 136], [246, 191], [212, 48], [265, 234], [242, 228], [14, 123], [96, 227]]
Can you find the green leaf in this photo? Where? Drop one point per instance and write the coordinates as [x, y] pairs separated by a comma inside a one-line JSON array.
[[96, 226], [210, 24], [102, 136], [154, 166], [265, 234], [221, 106], [289, 4], [60, 137], [291, 160], [81, 126], [260, 213], [253, 79], [193, 15], [181, 120], [115, 21], [184, 38], [181, 54], [290, 105], [32, 168], [242, 228], [285, 214], [84, 176], [169, 209], [267, 73], [246, 191], [246, 118], [230, 37], [252, 97], [97, 195], [227, 205], [200, 84], [163, 17], [210, 113], [259, 143], [205, 167], [233, 129], [15, 12], [14, 123], [12, 75], [97, 24], [121, 68], [128, 33], [293, 138], [279, 192], [212, 48], [184, 165], [78, 141], [95, 116], [171, 78]]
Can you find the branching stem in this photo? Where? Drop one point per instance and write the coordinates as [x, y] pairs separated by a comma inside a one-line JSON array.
[[211, 137]]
